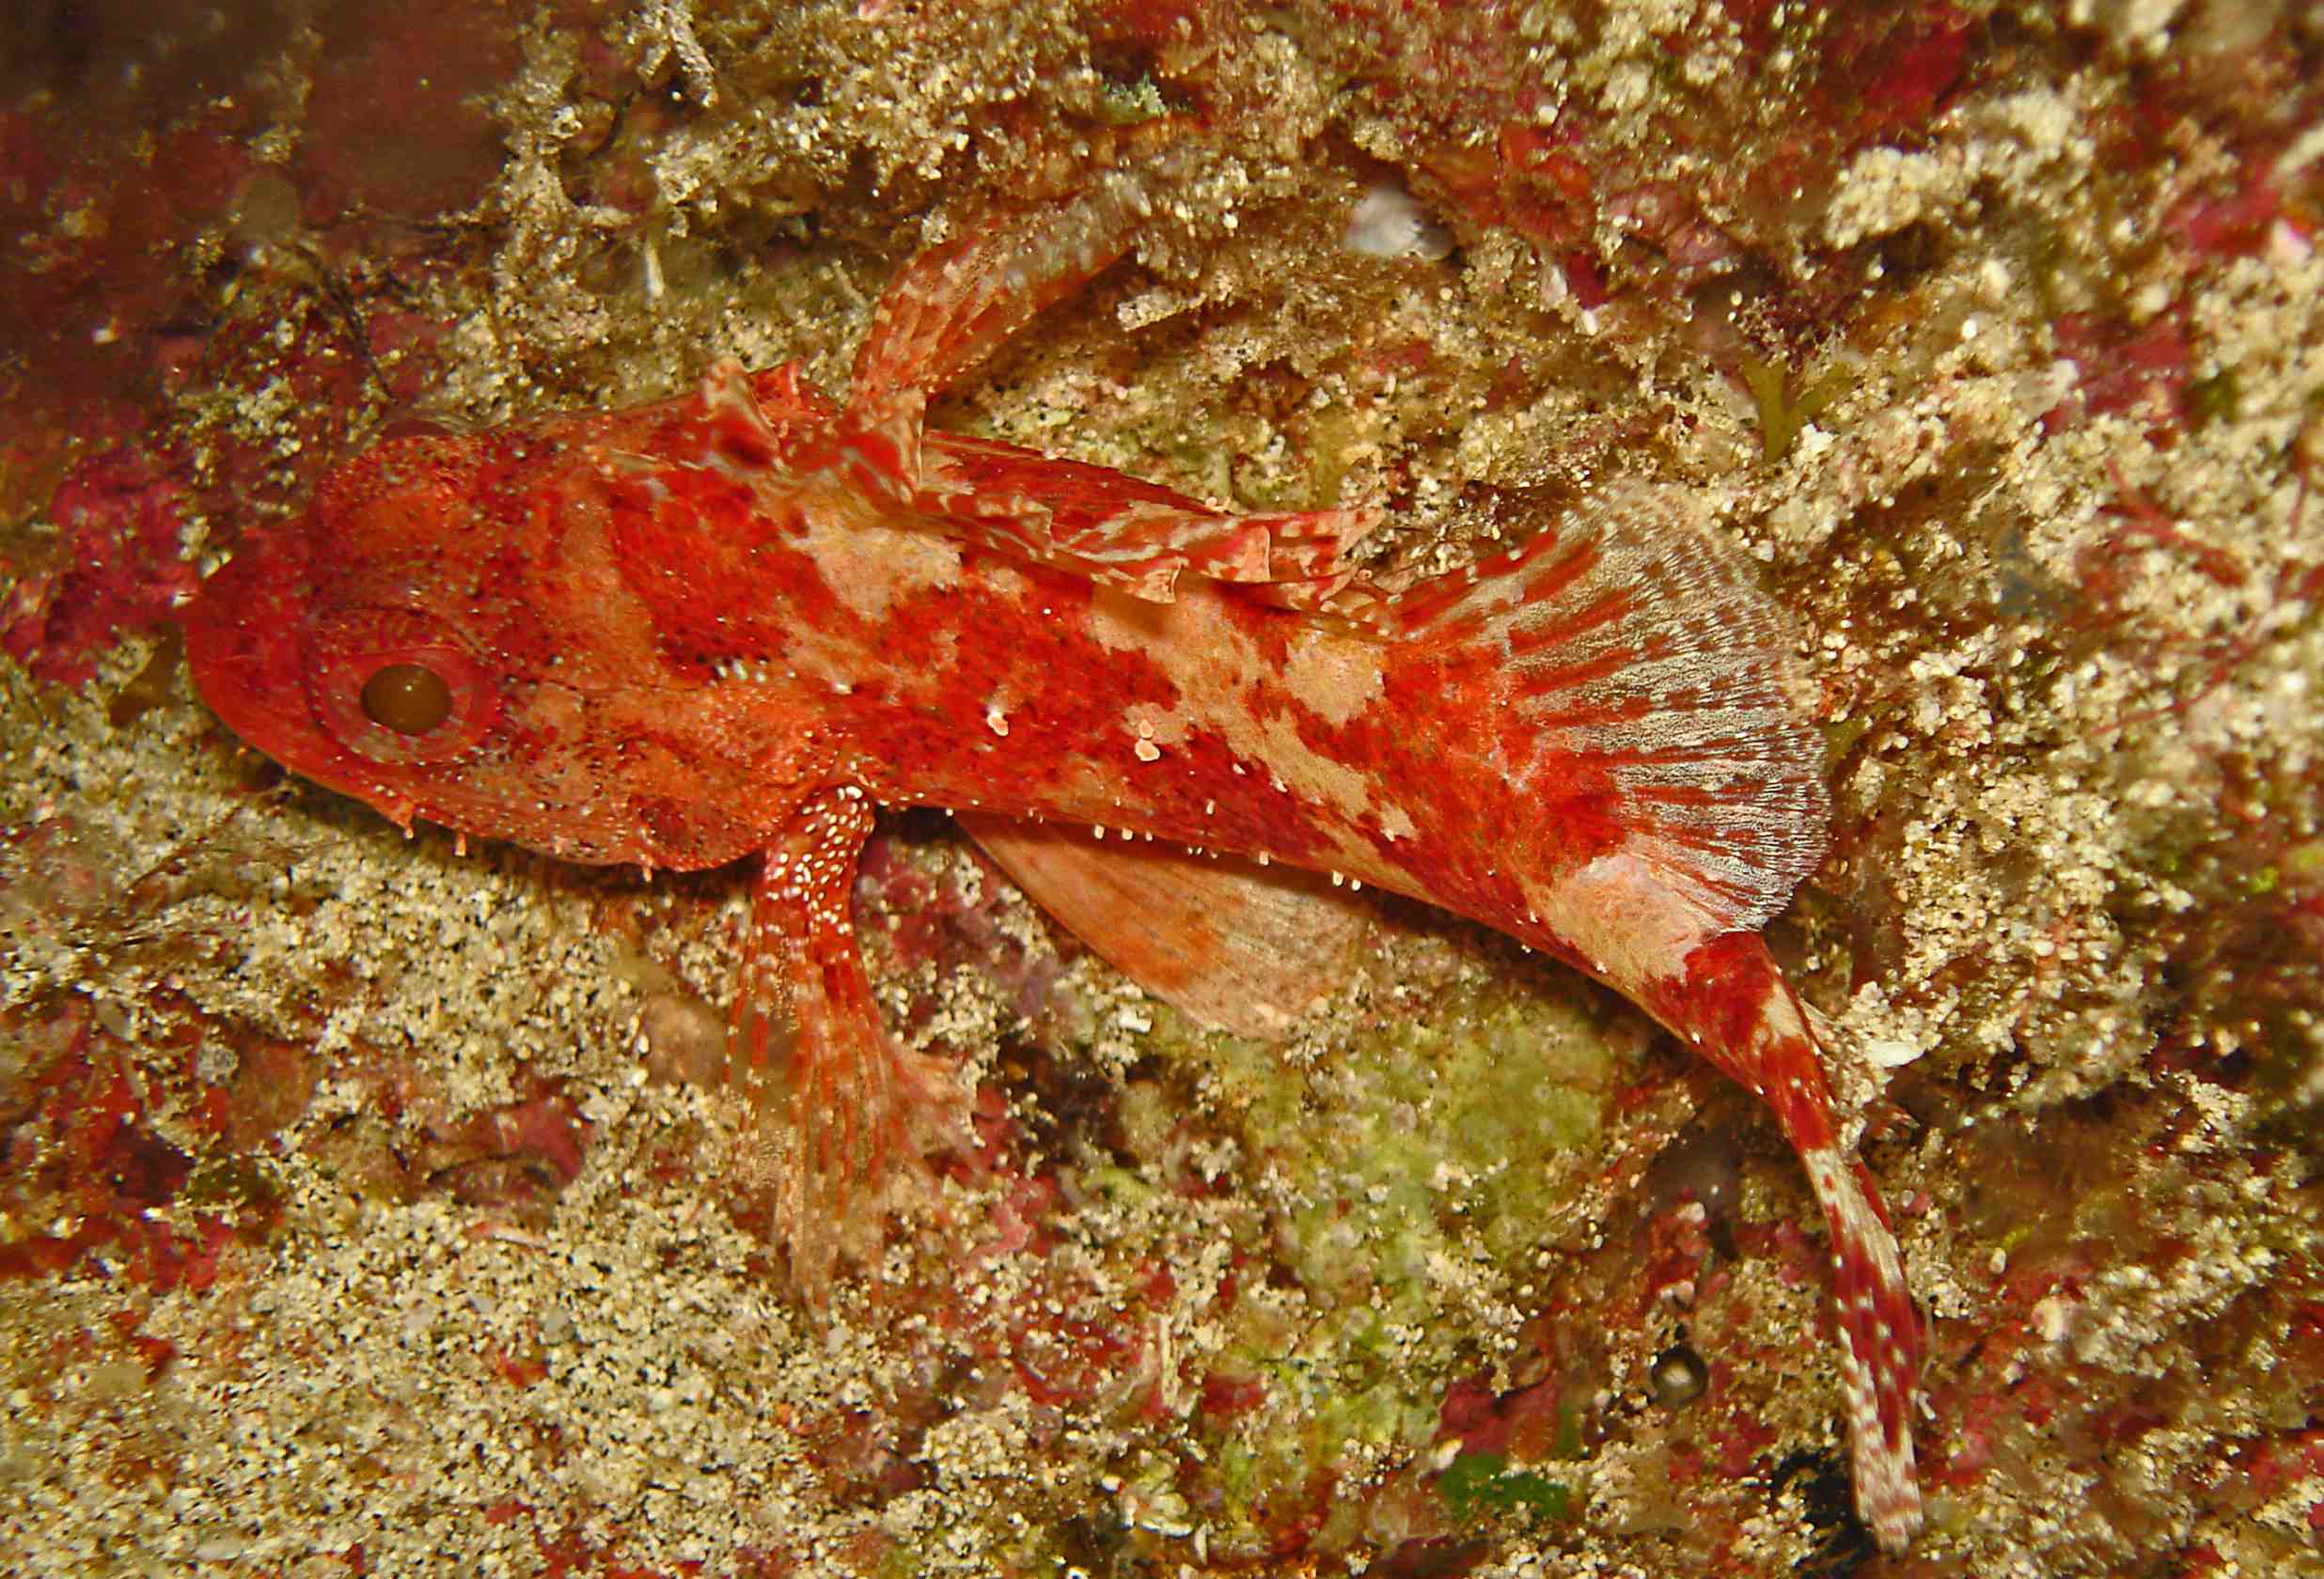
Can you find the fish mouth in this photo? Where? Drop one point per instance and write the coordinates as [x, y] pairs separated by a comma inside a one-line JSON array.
[[241, 629], [245, 644]]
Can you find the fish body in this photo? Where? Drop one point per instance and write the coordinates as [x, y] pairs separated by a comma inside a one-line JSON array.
[[732, 623]]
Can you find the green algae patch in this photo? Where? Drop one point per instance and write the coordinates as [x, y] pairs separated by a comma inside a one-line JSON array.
[[1408, 1177], [247, 1183], [1784, 409], [1430, 1139], [1477, 1485]]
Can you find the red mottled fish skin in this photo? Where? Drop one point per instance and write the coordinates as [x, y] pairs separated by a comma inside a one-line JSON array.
[[734, 622]]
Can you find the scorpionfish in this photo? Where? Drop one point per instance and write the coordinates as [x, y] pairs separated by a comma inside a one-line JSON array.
[[735, 622]]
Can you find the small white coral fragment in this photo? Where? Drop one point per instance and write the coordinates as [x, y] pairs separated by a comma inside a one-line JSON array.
[[1389, 222]]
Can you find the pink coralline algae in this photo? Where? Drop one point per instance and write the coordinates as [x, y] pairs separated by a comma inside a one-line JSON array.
[[113, 569]]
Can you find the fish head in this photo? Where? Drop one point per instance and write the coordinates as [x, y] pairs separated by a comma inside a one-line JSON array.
[[445, 634]]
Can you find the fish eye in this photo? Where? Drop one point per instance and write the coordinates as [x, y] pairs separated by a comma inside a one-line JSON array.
[[409, 698], [397, 686]]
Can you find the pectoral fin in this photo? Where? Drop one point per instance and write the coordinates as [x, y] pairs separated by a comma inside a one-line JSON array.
[[955, 303], [953, 306], [806, 1028]]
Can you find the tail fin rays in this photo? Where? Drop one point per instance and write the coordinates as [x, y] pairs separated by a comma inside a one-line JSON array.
[[1641, 649]]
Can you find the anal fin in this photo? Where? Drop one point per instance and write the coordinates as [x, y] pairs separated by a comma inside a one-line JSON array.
[[1240, 947]]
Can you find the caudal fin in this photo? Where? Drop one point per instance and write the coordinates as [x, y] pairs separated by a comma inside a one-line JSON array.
[[1636, 647]]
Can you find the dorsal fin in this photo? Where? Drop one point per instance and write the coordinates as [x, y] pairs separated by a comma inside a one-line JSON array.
[[953, 306], [1137, 535], [1633, 640]]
